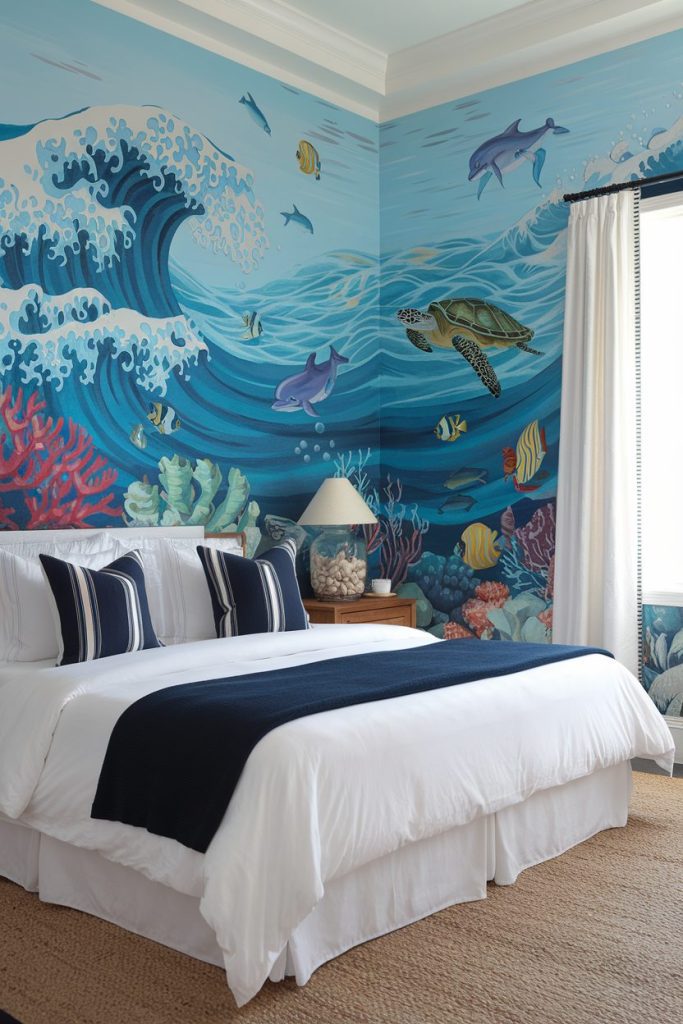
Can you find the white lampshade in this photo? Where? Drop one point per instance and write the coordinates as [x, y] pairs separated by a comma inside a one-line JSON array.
[[336, 503]]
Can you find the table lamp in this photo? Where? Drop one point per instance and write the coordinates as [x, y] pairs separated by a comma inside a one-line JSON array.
[[338, 557]]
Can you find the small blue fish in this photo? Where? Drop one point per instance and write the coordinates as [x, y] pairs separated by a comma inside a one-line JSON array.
[[255, 112], [297, 217], [253, 328]]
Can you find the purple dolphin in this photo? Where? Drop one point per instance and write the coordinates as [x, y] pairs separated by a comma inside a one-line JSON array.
[[314, 384]]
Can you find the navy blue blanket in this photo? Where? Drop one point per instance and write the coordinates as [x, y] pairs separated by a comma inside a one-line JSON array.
[[175, 756]]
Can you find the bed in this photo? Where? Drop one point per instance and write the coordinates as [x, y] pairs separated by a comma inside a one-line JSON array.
[[344, 825]]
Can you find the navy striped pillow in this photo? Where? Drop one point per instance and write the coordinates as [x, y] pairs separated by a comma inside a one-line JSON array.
[[100, 611], [254, 595]]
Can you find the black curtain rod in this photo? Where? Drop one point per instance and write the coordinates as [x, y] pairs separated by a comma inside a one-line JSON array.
[[574, 197]]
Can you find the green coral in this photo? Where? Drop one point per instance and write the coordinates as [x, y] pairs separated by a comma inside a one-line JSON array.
[[141, 504], [186, 496]]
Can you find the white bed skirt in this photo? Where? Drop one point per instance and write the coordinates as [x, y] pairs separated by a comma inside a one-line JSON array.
[[386, 894]]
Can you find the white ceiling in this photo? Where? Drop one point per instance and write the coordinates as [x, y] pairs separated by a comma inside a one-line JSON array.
[[391, 25], [386, 58]]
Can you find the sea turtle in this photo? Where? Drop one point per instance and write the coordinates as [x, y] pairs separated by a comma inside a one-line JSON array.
[[467, 325]]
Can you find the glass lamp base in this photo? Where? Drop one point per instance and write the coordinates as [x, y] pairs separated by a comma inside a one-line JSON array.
[[338, 565]]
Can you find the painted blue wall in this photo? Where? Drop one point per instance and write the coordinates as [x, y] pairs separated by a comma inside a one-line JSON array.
[[449, 230], [144, 189], [143, 210]]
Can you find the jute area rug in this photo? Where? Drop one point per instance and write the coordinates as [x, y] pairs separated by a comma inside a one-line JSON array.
[[593, 937]]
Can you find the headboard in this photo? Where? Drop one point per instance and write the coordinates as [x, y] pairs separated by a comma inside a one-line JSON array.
[[9, 537]]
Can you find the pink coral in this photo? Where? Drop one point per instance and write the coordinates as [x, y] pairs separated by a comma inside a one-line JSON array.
[[53, 465], [537, 538], [454, 631]]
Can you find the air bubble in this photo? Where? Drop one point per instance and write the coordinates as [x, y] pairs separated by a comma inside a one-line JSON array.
[[297, 450], [320, 428], [307, 458], [332, 444], [304, 444], [326, 456], [316, 447]]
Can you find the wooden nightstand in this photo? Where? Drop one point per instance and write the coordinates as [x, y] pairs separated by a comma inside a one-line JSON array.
[[395, 611]]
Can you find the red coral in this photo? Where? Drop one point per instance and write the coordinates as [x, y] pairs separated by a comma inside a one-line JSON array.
[[454, 631], [537, 538], [475, 612], [53, 465], [489, 594], [494, 593]]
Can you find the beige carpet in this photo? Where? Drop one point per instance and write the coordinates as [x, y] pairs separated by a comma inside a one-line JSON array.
[[594, 937]]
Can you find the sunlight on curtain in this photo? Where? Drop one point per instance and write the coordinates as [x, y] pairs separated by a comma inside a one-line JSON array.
[[661, 248]]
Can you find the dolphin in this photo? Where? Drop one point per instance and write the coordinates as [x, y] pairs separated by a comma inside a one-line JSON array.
[[313, 385], [297, 218], [502, 153], [255, 112]]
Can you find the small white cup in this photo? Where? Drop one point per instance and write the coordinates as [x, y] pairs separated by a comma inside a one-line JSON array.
[[381, 586]]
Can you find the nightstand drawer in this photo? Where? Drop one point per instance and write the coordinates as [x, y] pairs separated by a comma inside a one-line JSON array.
[[387, 616], [394, 611]]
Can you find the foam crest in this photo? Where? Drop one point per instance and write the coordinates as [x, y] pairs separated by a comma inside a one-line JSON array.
[[74, 184], [48, 338]]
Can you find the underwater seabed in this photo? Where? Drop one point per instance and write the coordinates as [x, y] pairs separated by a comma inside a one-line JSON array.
[[500, 587]]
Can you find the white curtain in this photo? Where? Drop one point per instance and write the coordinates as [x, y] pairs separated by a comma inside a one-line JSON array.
[[596, 594]]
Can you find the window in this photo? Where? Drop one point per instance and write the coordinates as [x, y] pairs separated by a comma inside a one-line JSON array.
[[661, 262]]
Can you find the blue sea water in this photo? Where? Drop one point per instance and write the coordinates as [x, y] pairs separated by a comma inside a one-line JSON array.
[[522, 274], [97, 313]]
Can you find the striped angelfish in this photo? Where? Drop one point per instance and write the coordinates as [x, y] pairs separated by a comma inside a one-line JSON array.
[[531, 450], [309, 160]]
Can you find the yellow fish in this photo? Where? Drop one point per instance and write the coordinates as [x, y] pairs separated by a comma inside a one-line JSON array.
[[309, 161], [480, 546], [450, 427], [531, 450]]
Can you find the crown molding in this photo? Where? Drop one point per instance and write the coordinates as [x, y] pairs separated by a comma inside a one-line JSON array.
[[273, 37], [539, 36], [189, 21], [282, 25]]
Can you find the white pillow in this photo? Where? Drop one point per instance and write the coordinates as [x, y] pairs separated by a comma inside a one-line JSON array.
[[194, 614], [177, 591], [27, 626], [162, 602]]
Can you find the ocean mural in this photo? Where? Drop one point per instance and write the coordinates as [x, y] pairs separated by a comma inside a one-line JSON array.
[[216, 290], [177, 272], [473, 263]]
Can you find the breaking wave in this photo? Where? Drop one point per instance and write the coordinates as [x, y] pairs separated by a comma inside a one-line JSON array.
[[98, 196], [46, 338]]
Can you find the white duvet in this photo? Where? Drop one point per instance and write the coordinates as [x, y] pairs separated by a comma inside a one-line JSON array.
[[325, 794]]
